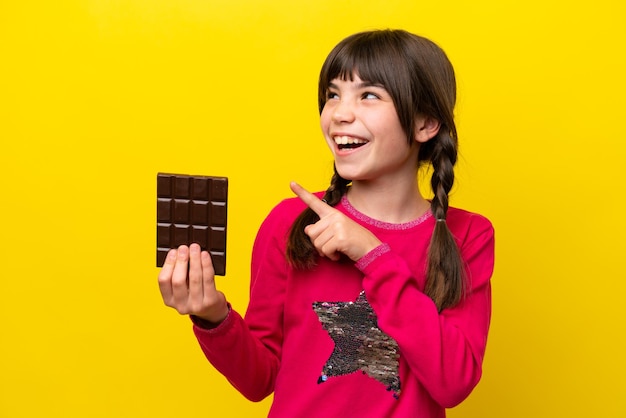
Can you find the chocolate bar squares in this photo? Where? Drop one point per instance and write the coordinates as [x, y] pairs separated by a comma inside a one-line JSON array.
[[192, 209]]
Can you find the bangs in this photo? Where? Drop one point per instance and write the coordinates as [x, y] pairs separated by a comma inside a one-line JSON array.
[[373, 57], [377, 58]]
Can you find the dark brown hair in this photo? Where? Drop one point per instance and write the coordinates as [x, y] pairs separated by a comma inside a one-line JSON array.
[[420, 79]]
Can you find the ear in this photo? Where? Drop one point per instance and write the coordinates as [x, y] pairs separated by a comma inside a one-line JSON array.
[[426, 127]]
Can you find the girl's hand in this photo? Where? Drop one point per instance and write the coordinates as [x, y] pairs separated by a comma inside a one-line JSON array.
[[187, 284], [335, 234]]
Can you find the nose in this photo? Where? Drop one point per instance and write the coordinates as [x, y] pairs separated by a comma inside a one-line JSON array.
[[343, 112]]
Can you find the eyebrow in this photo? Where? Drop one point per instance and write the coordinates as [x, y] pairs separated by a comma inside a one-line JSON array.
[[361, 85]]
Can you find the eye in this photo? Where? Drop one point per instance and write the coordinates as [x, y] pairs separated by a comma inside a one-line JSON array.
[[370, 96], [331, 95]]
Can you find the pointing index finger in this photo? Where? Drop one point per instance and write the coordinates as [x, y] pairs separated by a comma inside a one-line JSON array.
[[315, 203]]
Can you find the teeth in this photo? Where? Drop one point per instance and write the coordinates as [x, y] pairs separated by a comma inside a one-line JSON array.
[[345, 140]]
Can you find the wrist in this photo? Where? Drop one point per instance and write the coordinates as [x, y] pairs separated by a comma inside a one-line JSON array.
[[368, 247], [213, 319], [370, 256]]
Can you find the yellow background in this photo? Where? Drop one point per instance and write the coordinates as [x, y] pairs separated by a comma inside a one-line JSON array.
[[96, 97]]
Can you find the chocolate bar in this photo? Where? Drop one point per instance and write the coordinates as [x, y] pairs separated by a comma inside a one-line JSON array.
[[192, 209]]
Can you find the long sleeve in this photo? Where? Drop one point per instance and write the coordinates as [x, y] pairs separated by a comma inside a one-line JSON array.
[[239, 356], [444, 350], [281, 346], [248, 352]]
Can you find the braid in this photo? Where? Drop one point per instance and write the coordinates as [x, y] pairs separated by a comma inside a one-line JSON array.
[[338, 187], [443, 158], [445, 274], [300, 251]]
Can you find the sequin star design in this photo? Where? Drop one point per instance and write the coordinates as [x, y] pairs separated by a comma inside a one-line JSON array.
[[359, 344]]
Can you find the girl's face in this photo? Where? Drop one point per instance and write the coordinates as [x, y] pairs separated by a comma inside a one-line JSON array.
[[362, 130]]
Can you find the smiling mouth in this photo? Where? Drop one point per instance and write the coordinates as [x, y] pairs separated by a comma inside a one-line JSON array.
[[348, 142]]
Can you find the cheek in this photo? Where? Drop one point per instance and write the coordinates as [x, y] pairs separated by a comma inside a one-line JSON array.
[[325, 126], [325, 120]]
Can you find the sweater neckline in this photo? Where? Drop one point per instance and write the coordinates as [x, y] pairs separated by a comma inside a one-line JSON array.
[[381, 224]]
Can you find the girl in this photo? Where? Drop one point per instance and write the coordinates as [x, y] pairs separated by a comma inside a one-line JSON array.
[[368, 299]]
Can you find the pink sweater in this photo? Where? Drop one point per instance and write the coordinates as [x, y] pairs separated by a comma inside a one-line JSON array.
[[283, 347]]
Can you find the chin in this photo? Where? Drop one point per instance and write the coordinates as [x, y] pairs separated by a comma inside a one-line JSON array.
[[345, 173]]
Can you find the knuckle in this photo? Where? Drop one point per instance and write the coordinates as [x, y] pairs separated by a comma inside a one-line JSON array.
[[195, 307], [179, 280]]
